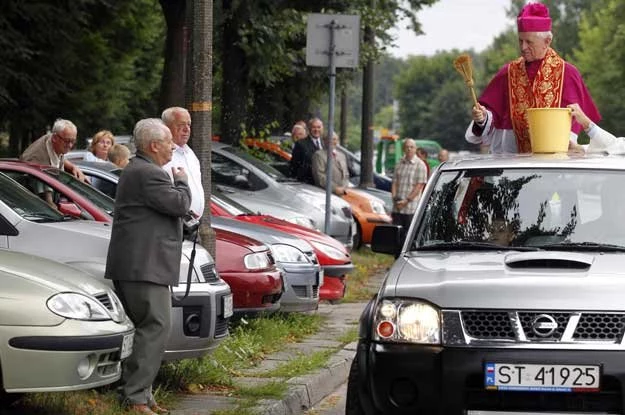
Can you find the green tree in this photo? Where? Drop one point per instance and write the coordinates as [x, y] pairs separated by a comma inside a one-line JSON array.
[[601, 59]]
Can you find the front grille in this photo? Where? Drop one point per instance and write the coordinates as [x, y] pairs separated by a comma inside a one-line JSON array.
[[608, 400], [347, 211], [315, 291], [221, 327], [300, 290], [528, 319], [311, 255], [108, 364], [595, 326], [488, 324], [535, 326], [209, 273], [105, 300]]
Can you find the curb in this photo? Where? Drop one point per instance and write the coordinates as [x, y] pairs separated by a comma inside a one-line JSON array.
[[306, 391]]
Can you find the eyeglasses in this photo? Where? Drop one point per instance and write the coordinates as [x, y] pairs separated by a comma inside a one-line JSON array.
[[67, 140]]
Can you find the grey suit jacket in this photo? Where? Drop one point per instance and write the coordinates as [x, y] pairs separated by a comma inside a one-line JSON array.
[[340, 172], [146, 240]]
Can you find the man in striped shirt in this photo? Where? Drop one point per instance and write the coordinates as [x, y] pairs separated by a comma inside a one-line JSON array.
[[409, 180]]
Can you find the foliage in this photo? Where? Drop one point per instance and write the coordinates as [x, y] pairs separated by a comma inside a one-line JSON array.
[[601, 59], [434, 102], [92, 61], [366, 264]]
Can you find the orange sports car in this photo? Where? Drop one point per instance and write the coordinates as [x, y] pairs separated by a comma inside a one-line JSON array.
[[367, 209]]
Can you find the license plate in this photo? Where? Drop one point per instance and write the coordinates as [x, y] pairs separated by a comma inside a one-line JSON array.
[[542, 377], [320, 278], [227, 305], [127, 343]]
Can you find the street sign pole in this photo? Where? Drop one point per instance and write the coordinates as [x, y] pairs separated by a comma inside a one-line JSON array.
[[332, 27], [332, 41]]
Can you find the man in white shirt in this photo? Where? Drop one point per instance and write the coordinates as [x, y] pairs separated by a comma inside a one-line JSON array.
[[178, 120]]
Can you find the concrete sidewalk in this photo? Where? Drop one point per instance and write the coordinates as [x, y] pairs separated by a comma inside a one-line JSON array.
[[303, 391]]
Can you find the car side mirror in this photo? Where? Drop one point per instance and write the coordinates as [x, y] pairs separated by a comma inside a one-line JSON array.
[[69, 208], [388, 239]]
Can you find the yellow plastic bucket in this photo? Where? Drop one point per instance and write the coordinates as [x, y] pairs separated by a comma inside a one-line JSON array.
[[550, 129]]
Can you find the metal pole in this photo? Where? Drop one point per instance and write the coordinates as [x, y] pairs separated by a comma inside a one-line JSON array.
[[332, 27]]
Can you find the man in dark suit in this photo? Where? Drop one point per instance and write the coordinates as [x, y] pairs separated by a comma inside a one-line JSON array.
[[303, 150], [144, 255]]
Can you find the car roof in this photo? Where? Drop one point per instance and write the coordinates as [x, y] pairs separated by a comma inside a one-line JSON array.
[[529, 161]]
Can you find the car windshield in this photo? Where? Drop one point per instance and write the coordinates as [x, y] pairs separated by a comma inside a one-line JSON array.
[[102, 201], [266, 168], [25, 203], [539, 208]]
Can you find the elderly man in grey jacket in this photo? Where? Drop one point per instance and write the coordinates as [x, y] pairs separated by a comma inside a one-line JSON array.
[[144, 255]]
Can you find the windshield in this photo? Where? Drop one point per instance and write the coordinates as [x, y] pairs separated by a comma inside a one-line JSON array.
[[25, 203], [102, 201], [266, 168], [525, 208]]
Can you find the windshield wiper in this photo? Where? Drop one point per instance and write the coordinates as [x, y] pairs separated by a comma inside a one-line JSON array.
[[39, 218], [583, 246], [475, 245]]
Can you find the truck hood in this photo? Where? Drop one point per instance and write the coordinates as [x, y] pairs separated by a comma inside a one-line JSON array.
[[504, 280]]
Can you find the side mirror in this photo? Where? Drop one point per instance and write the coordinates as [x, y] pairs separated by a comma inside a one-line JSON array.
[[388, 239], [69, 208]]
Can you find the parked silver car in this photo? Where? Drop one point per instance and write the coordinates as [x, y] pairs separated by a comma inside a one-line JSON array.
[[29, 225], [303, 275], [507, 295], [256, 185], [60, 328]]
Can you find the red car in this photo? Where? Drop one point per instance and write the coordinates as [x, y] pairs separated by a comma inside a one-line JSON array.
[[332, 255], [256, 285], [247, 266], [71, 197]]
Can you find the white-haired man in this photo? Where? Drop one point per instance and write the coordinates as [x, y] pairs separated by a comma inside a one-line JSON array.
[[538, 79]]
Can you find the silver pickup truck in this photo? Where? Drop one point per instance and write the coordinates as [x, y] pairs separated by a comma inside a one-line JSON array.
[[507, 295]]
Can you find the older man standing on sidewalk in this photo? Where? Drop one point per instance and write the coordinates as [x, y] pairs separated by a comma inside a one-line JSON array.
[[178, 120], [144, 256]]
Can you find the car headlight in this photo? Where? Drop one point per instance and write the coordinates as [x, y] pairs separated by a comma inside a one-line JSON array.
[[302, 221], [288, 254], [328, 250], [377, 207], [77, 306], [117, 313], [256, 261], [407, 321]]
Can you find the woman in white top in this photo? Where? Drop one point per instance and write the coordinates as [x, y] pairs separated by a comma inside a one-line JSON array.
[[98, 151]]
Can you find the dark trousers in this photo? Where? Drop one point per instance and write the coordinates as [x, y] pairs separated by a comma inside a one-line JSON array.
[[149, 307]]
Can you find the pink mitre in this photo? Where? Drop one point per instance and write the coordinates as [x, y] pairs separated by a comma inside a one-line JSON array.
[[534, 17]]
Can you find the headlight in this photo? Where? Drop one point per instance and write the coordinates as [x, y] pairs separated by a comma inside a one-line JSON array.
[[77, 307], [330, 251], [377, 207], [302, 221], [288, 254], [407, 321], [118, 313], [256, 261]]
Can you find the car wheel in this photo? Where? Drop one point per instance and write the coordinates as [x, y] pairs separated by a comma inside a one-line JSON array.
[[353, 404], [357, 236]]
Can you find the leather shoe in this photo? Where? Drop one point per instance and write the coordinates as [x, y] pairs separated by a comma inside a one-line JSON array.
[[140, 408], [159, 409]]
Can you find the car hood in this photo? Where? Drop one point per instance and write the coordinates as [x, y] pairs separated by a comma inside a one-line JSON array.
[[52, 275], [316, 195], [263, 234], [503, 280]]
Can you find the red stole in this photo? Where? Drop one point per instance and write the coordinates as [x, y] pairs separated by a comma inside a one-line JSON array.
[[544, 91]]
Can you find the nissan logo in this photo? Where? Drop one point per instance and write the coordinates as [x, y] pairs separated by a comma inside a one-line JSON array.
[[544, 325]]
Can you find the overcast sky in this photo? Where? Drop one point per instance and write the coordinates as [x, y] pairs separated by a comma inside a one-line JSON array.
[[459, 24]]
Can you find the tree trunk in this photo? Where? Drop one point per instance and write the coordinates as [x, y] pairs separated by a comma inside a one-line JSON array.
[[366, 145], [176, 44], [201, 104], [234, 88]]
